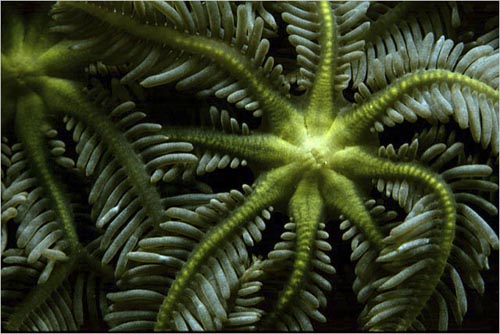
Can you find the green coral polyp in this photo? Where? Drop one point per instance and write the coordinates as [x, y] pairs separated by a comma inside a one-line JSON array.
[[179, 257]]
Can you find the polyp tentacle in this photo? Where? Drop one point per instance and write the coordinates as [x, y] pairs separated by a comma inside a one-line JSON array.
[[63, 94], [362, 118], [282, 115], [357, 162], [262, 149], [30, 124], [271, 188], [317, 119], [307, 210], [341, 193]]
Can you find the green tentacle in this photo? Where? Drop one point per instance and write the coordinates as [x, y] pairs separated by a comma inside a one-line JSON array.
[[63, 94], [30, 125], [282, 115], [271, 188], [362, 118], [342, 194], [265, 149], [306, 208], [357, 162], [316, 117]]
